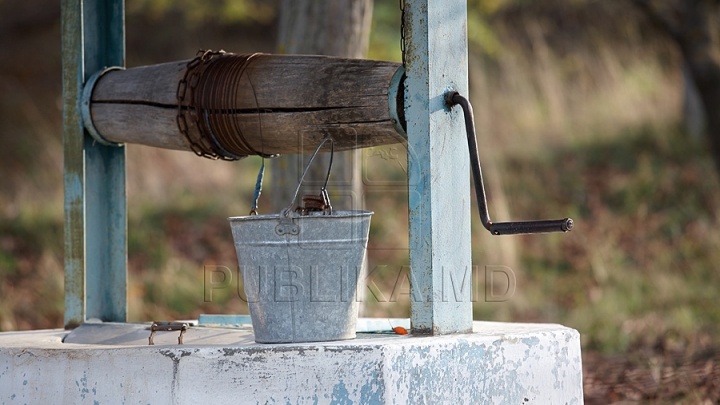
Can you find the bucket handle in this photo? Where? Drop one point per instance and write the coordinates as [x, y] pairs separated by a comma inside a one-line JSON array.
[[323, 191]]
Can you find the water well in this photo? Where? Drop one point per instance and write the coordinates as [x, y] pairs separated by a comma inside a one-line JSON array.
[[447, 357]]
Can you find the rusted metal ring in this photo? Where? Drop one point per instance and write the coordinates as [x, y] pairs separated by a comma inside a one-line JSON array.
[[199, 143], [208, 93], [215, 98]]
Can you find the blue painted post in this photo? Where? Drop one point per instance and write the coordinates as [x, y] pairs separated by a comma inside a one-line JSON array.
[[93, 37], [438, 167]]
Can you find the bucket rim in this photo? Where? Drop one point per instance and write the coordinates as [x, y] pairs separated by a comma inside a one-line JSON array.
[[276, 216]]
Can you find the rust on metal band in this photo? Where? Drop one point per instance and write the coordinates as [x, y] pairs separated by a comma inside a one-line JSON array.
[[210, 90]]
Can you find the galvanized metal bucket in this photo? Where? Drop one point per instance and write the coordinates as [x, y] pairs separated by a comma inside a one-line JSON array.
[[301, 272]]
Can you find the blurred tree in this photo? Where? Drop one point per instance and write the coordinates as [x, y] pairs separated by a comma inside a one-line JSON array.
[[196, 12], [335, 28], [480, 34], [693, 25]]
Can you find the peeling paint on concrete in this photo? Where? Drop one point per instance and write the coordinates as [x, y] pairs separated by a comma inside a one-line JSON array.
[[497, 364]]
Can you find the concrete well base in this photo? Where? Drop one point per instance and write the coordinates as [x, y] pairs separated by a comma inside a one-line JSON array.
[[500, 363]]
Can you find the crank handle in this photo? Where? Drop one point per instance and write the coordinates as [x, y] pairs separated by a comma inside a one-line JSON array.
[[453, 98], [525, 227]]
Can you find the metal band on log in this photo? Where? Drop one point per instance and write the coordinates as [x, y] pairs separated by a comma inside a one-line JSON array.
[[249, 104]]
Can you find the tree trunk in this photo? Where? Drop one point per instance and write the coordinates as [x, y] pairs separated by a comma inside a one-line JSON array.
[[701, 51], [689, 23], [694, 120], [333, 28]]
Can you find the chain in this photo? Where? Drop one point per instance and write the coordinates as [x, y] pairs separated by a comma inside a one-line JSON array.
[[258, 189], [402, 30], [199, 144]]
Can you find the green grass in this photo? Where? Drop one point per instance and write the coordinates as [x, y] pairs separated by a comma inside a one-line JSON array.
[[31, 271], [642, 259], [169, 247]]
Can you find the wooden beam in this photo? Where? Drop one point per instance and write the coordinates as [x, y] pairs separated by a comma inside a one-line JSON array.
[[282, 104]]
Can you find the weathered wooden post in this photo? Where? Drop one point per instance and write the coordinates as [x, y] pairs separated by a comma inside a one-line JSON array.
[[93, 34], [439, 188], [440, 140]]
